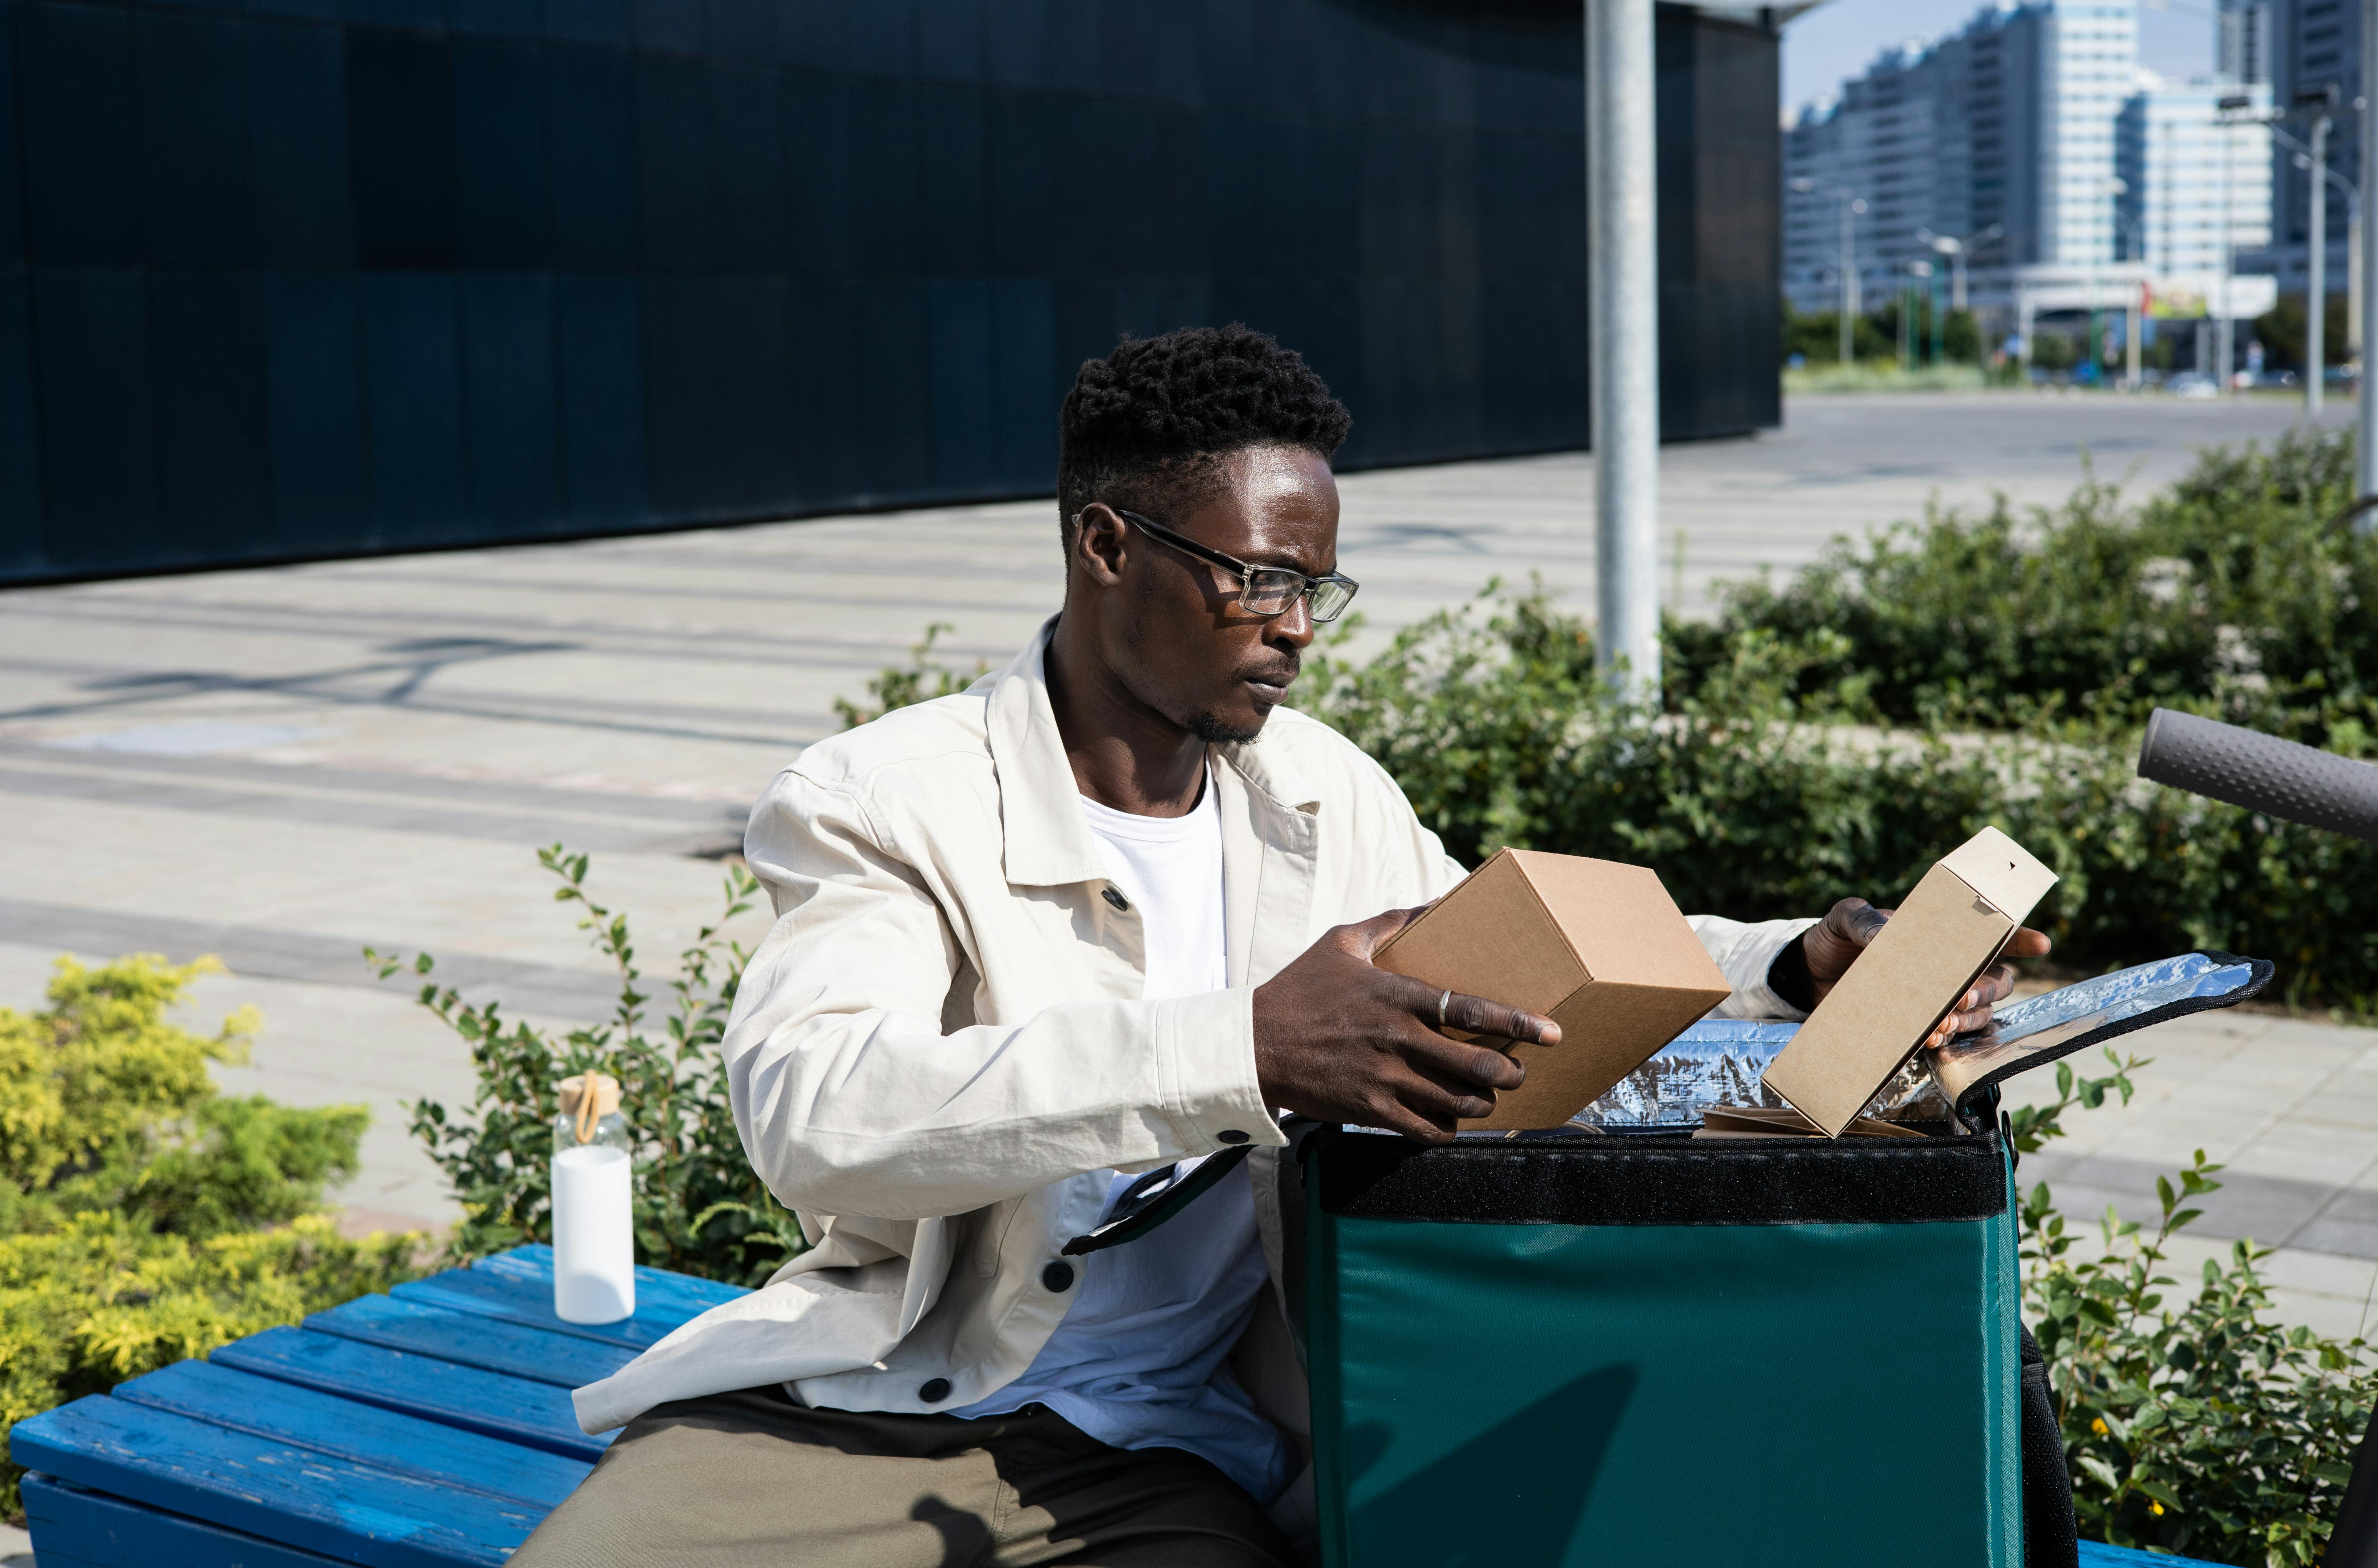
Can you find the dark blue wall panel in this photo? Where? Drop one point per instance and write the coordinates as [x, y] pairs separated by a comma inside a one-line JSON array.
[[207, 358], [289, 277], [78, 129], [298, 146], [20, 490], [319, 459], [12, 200], [414, 403], [96, 440]]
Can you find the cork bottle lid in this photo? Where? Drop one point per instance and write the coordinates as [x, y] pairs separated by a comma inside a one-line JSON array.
[[607, 1093], [585, 1109]]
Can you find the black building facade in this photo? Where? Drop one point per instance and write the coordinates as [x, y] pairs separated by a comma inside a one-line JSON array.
[[304, 278]]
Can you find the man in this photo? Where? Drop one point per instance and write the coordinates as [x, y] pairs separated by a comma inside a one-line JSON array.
[[1103, 914]]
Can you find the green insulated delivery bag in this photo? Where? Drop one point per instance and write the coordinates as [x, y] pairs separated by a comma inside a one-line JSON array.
[[1620, 1343]]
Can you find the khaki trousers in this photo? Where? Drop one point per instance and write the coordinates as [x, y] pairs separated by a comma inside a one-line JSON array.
[[753, 1480]]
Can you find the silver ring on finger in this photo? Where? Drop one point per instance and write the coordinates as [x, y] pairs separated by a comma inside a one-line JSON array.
[[1443, 1003]]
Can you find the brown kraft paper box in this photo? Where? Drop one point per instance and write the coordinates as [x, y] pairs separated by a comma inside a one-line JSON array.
[[1597, 947], [1946, 932]]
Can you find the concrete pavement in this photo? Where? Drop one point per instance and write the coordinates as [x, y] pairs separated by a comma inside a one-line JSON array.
[[280, 766]]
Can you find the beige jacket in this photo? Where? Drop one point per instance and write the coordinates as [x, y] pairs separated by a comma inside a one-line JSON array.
[[940, 1048]]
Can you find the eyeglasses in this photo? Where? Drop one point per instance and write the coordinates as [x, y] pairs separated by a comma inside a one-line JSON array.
[[1263, 591]]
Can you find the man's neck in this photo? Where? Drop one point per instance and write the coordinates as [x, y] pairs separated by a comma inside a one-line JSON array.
[[1123, 753]]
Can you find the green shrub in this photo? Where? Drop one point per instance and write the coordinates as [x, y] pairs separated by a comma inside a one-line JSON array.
[[2234, 594], [699, 1208], [2192, 1424], [134, 1194]]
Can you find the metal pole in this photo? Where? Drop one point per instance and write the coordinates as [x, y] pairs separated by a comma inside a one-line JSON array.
[[2316, 274], [2134, 349], [1932, 303], [1849, 276], [1623, 195], [2224, 344], [2365, 415], [2353, 277]]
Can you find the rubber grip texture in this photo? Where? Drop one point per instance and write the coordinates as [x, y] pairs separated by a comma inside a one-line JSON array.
[[2261, 773]]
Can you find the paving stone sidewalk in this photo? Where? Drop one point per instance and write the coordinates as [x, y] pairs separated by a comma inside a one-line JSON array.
[[281, 766]]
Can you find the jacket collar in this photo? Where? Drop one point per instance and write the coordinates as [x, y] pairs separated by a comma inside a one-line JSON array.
[[1047, 834]]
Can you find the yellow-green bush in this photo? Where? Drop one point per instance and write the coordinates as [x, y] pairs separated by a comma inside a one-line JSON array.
[[144, 1217]]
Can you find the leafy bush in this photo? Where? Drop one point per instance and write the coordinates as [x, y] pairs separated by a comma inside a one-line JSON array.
[[699, 1208], [133, 1193], [2234, 593], [922, 680], [2193, 1425], [1747, 800]]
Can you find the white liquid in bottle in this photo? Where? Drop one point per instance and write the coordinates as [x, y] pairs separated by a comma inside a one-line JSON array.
[[593, 1235]]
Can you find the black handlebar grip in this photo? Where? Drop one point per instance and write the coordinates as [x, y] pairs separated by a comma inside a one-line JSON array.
[[2261, 773]]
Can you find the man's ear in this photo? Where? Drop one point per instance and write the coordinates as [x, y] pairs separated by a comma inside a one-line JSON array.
[[1100, 542]]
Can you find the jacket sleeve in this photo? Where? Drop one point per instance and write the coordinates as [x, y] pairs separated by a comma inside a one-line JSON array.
[[1744, 952], [851, 1099]]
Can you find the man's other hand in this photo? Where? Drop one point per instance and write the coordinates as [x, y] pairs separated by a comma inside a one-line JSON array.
[[1339, 1039], [1832, 945]]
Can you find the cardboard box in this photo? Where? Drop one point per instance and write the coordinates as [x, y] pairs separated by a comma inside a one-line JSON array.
[[1597, 947], [1945, 934], [1758, 1122]]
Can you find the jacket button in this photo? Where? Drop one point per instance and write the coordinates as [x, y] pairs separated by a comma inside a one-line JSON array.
[[1231, 1135], [934, 1391], [1114, 896], [1058, 1277]]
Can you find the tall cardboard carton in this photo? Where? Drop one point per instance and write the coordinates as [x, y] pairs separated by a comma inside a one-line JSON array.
[[1945, 934], [1597, 947]]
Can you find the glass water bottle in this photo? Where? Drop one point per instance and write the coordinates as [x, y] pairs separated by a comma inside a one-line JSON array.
[[593, 1211]]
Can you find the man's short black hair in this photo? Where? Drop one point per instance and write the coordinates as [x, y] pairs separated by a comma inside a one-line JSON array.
[[1147, 426]]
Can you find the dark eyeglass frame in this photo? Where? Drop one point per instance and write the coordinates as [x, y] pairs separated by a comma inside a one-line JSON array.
[[1326, 597]]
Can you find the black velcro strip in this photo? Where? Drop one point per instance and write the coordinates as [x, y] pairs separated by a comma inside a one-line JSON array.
[[1637, 1181]]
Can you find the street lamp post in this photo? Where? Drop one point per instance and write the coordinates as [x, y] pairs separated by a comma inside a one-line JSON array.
[[2365, 446], [2224, 333], [1957, 251], [1622, 187], [2313, 156], [2316, 270], [1851, 205], [2134, 308]]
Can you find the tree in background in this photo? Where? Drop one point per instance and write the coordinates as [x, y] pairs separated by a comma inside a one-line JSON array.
[[2281, 330], [1815, 335]]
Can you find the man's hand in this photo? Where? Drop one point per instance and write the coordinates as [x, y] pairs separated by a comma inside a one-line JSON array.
[[1342, 1040], [1832, 945]]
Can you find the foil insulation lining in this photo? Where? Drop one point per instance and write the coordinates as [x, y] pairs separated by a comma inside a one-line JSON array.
[[1719, 1062]]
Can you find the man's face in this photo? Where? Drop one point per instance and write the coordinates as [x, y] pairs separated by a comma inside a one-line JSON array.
[[1173, 629]]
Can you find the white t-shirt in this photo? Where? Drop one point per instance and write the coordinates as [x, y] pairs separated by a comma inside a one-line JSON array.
[[1139, 1360]]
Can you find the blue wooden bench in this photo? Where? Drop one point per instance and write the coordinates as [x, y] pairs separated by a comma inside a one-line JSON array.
[[421, 1429]]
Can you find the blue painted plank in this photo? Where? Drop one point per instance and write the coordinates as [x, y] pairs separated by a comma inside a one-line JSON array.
[[515, 1409], [2096, 1554], [406, 1444], [492, 1296], [471, 1339], [341, 1509], [75, 1528], [516, 1297], [535, 1261]]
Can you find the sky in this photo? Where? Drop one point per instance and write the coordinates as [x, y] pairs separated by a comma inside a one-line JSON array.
[[1834, 43]]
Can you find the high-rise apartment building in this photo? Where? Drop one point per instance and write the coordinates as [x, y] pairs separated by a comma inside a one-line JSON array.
[[2034, 120], [2242, 41], [2197, 178], [2315, 50], [2008, 122]]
